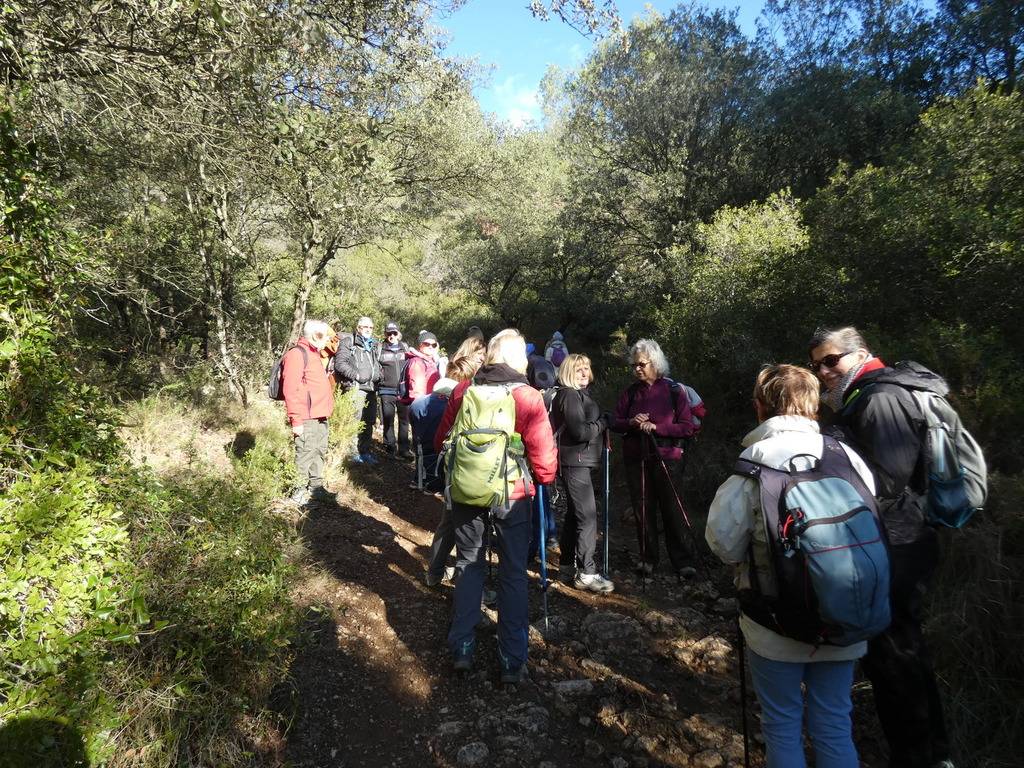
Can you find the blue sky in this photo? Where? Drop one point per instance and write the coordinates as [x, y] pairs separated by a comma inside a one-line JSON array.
[[502, 34]]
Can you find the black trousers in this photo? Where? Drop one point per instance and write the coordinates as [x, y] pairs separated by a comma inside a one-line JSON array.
[[900, 668], [389, 407], [653, 498], [579, 529]]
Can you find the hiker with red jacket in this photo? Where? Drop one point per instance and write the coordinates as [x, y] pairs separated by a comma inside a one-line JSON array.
[[505, 365], [309, 402], [653, 415], [421, 372], [871, 406]]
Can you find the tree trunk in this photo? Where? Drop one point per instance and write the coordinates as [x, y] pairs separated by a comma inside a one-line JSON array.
[[266, 315], [215, 306]]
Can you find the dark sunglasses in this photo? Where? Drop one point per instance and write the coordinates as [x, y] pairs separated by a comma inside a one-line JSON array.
[[828, 361], [391, 333], [641, 365]]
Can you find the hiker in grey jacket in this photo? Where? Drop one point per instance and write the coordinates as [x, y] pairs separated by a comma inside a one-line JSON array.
[[870, 406], [357, 366]]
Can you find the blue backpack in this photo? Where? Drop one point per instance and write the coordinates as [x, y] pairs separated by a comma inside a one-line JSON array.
[[829, 553]]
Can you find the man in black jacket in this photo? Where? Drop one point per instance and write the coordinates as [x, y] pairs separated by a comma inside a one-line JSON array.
[[392, 362], [357, 366], [871, 407]]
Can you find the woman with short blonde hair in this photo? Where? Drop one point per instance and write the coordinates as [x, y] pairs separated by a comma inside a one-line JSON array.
[[786, 401]]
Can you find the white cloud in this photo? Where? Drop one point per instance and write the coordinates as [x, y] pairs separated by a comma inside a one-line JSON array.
[[515, 102]]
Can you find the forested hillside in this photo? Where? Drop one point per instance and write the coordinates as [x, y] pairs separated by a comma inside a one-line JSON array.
[[185, 183]]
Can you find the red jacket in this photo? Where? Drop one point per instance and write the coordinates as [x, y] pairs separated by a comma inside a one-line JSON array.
[[308, 393], [531, 423], [422, 374]]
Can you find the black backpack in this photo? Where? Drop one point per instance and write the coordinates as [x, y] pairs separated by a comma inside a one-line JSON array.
[[274, 389]]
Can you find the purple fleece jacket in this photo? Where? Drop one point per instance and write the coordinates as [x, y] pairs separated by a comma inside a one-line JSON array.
[[656, 401]]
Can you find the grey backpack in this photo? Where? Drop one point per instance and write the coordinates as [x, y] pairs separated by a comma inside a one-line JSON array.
[[955, 465]]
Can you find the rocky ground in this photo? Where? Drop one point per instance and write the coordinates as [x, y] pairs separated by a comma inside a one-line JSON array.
[[646, 676]]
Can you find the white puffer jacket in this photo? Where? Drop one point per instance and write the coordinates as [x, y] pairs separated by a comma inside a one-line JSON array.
[[735, 519]]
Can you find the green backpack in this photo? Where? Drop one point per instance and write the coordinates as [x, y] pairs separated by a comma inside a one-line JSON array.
[[484, 455]]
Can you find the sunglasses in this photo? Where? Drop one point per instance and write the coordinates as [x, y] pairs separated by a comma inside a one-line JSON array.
[[828, 361], [641, 365], [391, 333]]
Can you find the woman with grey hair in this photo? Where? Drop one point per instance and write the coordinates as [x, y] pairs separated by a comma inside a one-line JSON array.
[[653, 415]]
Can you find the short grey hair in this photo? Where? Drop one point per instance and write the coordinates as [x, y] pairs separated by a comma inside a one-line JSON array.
[[846, 339], [317, 329], [652, 351]]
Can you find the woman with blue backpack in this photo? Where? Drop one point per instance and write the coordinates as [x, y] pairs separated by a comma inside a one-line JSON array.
[[777, 554]]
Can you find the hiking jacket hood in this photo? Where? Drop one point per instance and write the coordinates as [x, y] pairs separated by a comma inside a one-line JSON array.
[[881, 419], [735, 524], [357, 362], [422, 373], [656, 400], [531, 423], [308, 393], [577, 421]]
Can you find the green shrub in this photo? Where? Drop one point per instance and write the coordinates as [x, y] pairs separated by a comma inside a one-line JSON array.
[[68, 594]]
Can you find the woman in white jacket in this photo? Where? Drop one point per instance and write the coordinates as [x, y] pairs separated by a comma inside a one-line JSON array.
[[786, 401]]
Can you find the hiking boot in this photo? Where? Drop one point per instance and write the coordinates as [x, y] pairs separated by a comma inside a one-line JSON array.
[[644, 568], [432, 581], [369, 458], [552, 546], [511, 675], [299, 496], [406, 454], [356, 458], [594, 582], [462, 659], [320, 493]]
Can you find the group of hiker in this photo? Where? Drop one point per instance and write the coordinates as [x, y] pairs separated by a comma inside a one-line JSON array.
[[829, 517]]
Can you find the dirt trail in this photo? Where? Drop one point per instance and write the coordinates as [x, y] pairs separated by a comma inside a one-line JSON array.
[[641, 677]]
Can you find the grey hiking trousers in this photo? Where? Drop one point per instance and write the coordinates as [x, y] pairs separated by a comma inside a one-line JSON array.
[[311, 452]]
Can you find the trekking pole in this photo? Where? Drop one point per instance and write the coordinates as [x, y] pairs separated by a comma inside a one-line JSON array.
[[543, 555], [743, 693], [420, 469], [643, 523], [679, 504], [607, 493]]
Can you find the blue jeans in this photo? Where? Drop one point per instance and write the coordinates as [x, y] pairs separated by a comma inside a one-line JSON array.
[[777, 684], [512, 538]]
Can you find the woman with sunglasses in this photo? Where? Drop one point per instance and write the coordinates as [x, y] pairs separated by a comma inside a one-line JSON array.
[[653, 415], [872, 406], [421, 372]]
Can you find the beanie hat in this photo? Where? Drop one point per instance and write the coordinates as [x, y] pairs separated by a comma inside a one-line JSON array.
[[425, 336], [556, 336]]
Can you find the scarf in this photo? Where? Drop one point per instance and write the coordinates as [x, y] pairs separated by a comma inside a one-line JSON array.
[[834, 397]]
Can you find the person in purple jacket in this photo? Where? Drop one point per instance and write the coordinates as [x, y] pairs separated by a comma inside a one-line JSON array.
[[653, 415]]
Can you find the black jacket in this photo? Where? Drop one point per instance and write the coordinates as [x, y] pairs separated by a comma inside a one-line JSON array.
[[357, 363], [392, 358], [882, 421], [579, 426]]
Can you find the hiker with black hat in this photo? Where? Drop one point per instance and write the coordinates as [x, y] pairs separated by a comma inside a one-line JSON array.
[[392, 363]]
